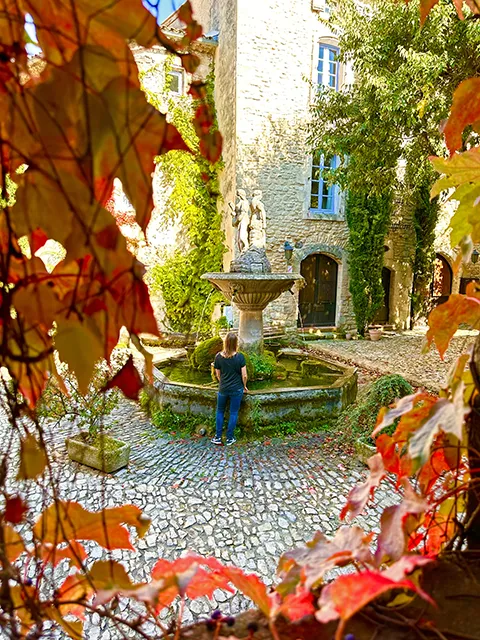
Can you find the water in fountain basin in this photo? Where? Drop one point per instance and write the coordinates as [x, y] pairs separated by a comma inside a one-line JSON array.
[[180, 371]]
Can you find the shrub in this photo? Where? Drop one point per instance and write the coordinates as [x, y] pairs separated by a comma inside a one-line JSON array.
[[85, 411], [205, 353], [358, 421], [264, 366]]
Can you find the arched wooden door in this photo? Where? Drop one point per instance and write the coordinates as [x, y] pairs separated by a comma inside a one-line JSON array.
[[318, 299], [383, 314], [442, 280]]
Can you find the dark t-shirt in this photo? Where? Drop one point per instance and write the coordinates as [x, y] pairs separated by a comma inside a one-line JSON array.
[[230, 372]]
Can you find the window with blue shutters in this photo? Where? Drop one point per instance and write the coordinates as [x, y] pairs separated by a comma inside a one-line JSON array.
[[323, 196], [327, 67]]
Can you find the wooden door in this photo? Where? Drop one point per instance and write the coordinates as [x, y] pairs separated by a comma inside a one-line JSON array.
[[318, 299]]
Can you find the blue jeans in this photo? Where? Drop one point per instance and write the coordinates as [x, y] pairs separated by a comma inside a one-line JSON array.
[[235, 402]]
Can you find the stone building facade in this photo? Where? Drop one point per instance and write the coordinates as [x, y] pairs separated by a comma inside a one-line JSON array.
[[269, 58]]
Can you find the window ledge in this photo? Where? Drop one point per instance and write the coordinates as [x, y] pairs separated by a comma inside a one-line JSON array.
[[313, 214]]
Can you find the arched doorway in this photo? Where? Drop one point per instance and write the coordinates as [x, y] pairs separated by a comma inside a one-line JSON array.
[[383, 314], [442, 280], [318, 299]]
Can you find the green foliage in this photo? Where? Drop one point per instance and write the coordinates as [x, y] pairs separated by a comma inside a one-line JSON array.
[[425, 217], [192, 183], [264, 366], [85, 411], [183, 425], [358, 421], [368, 219], [205, 352], [221, 324], [404, 82]]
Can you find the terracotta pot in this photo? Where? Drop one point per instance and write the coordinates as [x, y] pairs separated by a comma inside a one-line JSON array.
[[348, 336], [375, 334]]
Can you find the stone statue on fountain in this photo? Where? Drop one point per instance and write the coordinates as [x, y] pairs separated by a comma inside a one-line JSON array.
[[250, 222]]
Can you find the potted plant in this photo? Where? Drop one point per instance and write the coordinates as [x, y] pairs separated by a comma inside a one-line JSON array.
[[375, 333], [92, 446]]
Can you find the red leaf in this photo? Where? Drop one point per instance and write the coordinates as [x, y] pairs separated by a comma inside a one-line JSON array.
[[211, 146], [193, 28], [344, 597], [127, 380], [37, 239], [359, 495], [297, 605], [15, 509], [107, 238]]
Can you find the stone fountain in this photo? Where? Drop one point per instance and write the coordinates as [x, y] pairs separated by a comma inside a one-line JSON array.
[[251, 286], [313, 389]]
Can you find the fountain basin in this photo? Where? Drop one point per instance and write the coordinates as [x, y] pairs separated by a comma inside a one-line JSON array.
[[251, 293], [298, 399]]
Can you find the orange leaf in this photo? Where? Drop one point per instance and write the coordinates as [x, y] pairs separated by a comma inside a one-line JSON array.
[[297, 605], [445, 319], [465, 110], [68, 521], [14, 546], [74, 552]]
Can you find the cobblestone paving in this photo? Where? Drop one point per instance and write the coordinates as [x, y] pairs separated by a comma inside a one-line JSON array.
[[399, 354], [244, 505]]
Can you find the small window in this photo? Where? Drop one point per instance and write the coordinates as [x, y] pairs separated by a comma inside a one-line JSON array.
[[327, 67], [322, 195], [176, 81]]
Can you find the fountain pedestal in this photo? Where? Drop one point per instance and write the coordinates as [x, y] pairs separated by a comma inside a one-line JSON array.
[[251, 293]]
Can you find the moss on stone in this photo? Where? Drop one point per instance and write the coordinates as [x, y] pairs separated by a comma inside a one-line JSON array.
[[204, 354]]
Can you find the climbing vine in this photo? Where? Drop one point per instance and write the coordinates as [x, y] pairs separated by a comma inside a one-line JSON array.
[[368, 219], [193, 193], [425, 217]]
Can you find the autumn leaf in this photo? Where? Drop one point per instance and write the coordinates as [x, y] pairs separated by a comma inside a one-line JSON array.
[[359, 495], [69, 521], [74, 552], [128, 380], [297, 605], [348, 594], [321, 554], [465, 110], [15, 509], [109, 579], [33, 458], [13, 542], [393, 538], [73, 628]]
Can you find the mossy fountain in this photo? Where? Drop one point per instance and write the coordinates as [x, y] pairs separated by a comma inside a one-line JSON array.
[[299, 389]]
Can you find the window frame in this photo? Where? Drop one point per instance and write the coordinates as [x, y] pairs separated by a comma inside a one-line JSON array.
[[177, 72], [327, 47], [320, 211]]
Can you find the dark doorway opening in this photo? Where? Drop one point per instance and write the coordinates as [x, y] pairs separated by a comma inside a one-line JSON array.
[[318, 299], [383, 314], [442, 280]]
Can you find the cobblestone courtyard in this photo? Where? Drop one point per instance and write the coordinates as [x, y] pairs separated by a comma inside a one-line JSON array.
[[244, 504]]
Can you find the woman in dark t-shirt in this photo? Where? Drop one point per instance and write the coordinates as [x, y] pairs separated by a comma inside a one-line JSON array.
[[231, 372]]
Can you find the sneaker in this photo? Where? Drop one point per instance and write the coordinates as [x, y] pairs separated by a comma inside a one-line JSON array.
[[231, 441], [216, 441]]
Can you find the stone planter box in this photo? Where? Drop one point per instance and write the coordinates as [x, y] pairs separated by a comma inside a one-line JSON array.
[[364, 451], [104, 459]]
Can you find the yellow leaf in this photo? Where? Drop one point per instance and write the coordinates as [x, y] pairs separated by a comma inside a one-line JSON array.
[[33, 458], [79, 344], [72, 629]]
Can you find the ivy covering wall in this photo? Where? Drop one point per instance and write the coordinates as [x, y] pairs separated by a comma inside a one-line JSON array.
[[193, 192], [368, 219]]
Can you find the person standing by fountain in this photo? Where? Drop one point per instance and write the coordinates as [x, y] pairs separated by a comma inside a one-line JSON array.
[[231, 371]]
